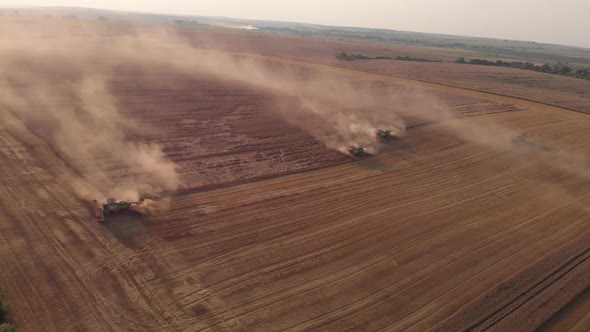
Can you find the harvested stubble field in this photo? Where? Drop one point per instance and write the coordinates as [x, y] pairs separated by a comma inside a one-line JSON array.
[[451, 228], [560, 90], [563, 91], [219, 133]]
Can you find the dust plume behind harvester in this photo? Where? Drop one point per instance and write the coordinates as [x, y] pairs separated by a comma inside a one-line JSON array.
[[522, 140]]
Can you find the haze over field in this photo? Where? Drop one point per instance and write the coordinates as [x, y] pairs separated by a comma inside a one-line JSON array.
[[536, 20], [93, 129]]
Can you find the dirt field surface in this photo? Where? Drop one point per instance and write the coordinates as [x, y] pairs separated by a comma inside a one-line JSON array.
[[574, 317], [450, 228]]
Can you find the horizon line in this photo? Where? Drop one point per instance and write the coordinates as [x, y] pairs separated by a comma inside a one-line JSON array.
[[585, 48]]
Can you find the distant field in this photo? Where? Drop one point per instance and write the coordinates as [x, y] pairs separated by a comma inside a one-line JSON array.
[[566, 91], [444, 45], [466, 46]]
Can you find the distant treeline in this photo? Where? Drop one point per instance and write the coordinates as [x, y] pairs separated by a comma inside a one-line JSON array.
[[557, 69], [408, 58], [351, 57], [187, 22]]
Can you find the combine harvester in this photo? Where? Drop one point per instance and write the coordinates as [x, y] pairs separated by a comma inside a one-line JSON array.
[[357, 151], [385, 135], [113, 207], [520, 139], [523, 141]]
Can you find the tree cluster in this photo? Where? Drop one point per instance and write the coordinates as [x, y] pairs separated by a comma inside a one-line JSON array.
[[408, 58], [351, 57], [557, 69]]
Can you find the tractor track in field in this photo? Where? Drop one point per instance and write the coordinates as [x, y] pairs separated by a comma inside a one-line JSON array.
[[68, 269], [541, 286], [372, 232], [465, 251]]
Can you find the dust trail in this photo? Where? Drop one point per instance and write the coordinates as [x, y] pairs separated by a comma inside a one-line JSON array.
[[60, 89], [91, 134], [55, 76], [333, 109], [489, 133], [232, 26], [154, 207]]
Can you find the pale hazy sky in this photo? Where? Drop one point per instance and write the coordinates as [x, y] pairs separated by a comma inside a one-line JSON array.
[[562, 22]]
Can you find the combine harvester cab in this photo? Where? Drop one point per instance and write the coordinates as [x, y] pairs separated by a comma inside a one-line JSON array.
[[112, 207]]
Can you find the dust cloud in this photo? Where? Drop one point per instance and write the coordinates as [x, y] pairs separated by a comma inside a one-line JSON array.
[[487, 132], [331, 107], [55, 77], [154, 207], [59, 88], [233, 26]]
